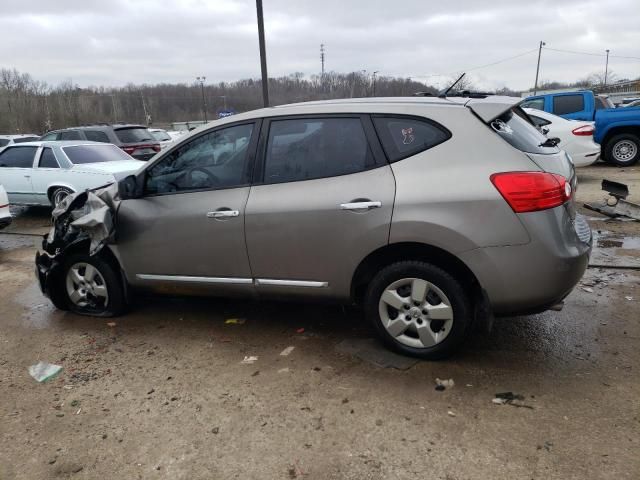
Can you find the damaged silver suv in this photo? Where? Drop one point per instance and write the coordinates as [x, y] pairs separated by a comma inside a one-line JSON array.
[[430, 213]]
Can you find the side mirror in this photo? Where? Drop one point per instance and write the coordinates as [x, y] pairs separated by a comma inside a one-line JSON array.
[[130, 187]]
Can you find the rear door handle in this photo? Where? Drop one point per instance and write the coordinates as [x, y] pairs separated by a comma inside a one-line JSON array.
[[360, 205], [223, 214]]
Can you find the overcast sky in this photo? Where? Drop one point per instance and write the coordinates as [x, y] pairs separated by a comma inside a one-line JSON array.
[[114, 42]]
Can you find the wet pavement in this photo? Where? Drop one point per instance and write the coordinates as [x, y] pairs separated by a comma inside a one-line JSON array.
[[163, 393]]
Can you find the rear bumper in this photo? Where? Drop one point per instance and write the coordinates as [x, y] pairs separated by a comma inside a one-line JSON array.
[[528, 278]]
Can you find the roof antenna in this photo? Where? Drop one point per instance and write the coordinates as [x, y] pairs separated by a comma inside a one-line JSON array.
[[443, 94]]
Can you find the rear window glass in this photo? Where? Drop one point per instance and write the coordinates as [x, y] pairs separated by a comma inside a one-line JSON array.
[[25, 139], [97, 136], [79, 154], [564, 104], [405, 136], [134, 135], [515, 128]]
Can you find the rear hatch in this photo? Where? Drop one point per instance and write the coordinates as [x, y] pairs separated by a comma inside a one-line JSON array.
[[514, 126], [137, 141]]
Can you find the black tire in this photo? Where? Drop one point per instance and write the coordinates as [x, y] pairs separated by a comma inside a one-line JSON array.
[[458, 298], [617, 146], [116, 303], [60, 191]]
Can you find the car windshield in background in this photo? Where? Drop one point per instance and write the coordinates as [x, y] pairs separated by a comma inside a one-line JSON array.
[[25, 139], [3, 142], [515, 128], [134, 135], [79, 154], [161, 136]]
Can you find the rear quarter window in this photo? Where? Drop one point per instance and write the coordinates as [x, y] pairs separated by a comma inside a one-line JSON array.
[[403, 137], [565, 104]]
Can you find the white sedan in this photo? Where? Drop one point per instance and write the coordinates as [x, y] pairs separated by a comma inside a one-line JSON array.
[[5, 214], [576, 137], [43, 173]]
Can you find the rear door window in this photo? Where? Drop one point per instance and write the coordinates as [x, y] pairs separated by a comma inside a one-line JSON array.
[[514, 127], [565, 104], [96, 136], [134, 135], [48, 159], [403, 137], [70, 135], [18, 157], [308, 148]]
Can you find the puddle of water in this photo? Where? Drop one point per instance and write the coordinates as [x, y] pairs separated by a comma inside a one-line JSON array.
[[39, 311], [605, 239]]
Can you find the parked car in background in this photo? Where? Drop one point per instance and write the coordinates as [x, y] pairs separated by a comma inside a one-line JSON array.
[[617, 130], [634, 103], [136, 140], [44, 173], [12, 139], [576, 137], [5, 214], [161, 136], [425, 211], [176, 134]]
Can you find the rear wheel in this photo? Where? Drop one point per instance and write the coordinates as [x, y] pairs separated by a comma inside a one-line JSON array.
[[418, 309], [90, 286], [623, 150]]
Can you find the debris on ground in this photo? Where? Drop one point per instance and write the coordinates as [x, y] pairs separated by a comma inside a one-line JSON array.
[[249, 360], [235, 321], [284, 370], [111, 324], [286, 351], [43, 371], [442, 385], [629, 297], [510, 398], [616, 205], [451, 414], [587, 289], [300, 330]]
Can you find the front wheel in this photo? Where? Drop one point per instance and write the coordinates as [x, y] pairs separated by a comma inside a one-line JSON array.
[[91, 286], [623, 150], [418, 309], [58, 195]]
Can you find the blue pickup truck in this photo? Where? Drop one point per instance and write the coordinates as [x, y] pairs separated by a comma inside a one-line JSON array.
[[617, 130]]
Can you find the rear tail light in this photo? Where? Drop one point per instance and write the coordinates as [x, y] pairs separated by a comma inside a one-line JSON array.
[[532, 191], [584, 131], [156, 148]]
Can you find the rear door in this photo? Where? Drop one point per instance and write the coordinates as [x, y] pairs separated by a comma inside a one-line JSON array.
[[321, 201], [573, 106], [16, 168]]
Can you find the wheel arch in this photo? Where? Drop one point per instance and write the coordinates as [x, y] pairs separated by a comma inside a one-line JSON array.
[[612, 132], [52, 188], [396, 252]]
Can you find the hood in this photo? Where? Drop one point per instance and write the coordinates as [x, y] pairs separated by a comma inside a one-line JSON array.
[[120, 166], [492, 106]]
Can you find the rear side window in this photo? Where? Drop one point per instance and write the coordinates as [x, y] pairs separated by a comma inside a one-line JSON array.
[[25, 139], [405, 136], [18, 157], [48, 159], [96, 136], [69, 135], [79, 154], [514, 127], [50, 136], [537, 103], [564, 104], [134, 135], [308, 148]]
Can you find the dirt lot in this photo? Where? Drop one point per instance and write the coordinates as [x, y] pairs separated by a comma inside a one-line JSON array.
[[163, 393]]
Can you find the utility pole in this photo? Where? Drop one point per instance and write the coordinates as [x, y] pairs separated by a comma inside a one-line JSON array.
[[606, 69], [224, 100], [263, 55], [147, 117], [322, 58], [374, 83], [46, 104], [115, 111], [535, 87], [204, 102]]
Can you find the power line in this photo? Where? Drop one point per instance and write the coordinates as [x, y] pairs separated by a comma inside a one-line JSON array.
[[591, 54]]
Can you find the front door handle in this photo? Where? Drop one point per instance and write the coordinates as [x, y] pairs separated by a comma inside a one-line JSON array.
[[368, 205], [223, 214]]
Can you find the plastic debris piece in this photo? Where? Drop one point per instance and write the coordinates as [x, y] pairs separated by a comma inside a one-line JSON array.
[[286, 351], [587, 289], [111, 324], [444, 384], [249, 360], [629, 297], [43, 371], [235, 321], [300, 330], [451, 414]]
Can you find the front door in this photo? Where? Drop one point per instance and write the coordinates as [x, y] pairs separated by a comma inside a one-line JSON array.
[[16, 168], [188, 228], [322, 201]]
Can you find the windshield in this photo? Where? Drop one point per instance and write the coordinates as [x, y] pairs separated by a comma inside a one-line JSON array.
[[80, 154], [515, 127], [161, 136], [134, 135]]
